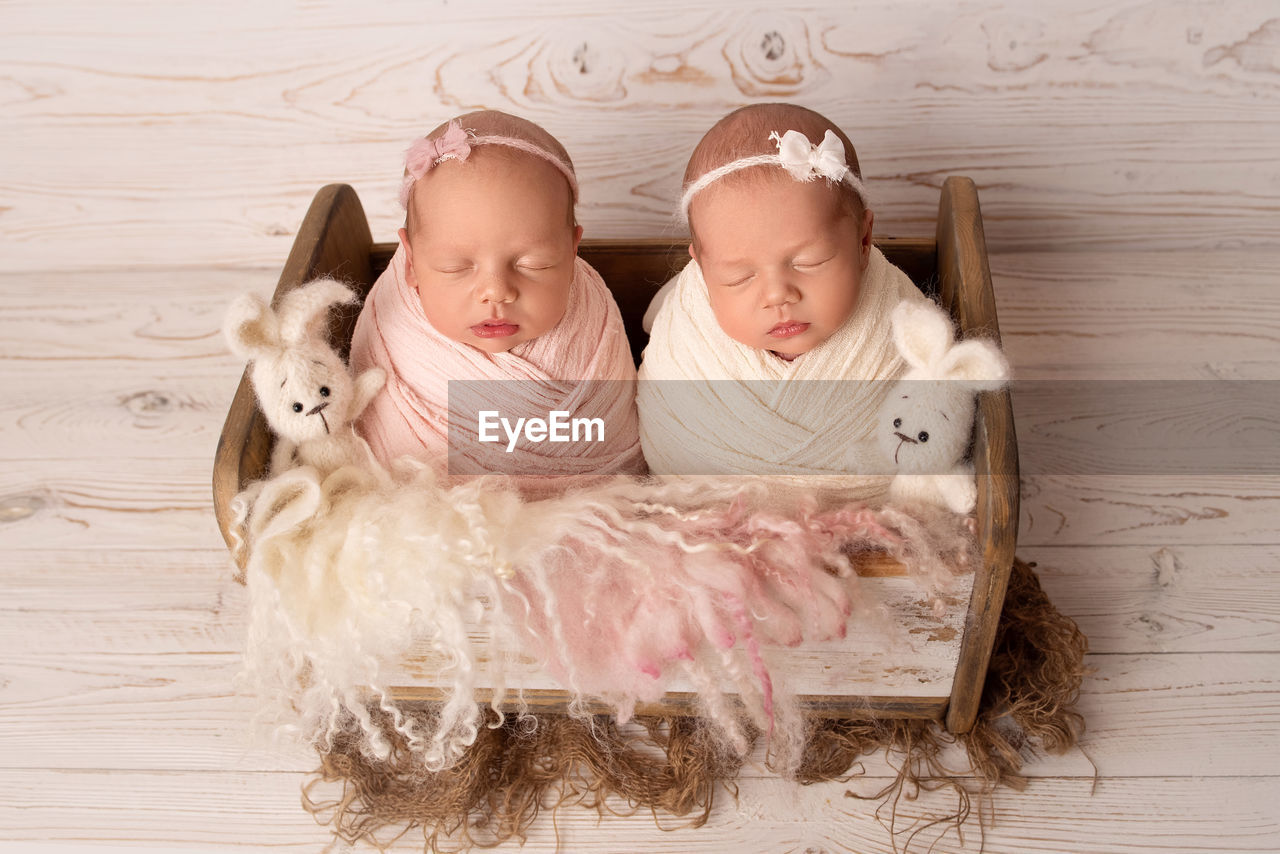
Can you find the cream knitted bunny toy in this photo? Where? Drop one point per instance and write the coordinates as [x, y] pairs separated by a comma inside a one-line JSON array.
[[305, 391], [927, 417]]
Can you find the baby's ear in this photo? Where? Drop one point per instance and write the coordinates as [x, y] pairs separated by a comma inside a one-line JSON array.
[[922, 332], [250, 327], [977, 362], [303, 310], [409, 276], [868, 220]]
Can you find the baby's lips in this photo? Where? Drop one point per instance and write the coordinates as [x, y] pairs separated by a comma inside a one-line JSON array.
[[788, 329], [495, 329]]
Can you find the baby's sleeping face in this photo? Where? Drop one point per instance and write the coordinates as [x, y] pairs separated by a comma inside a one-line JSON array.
[[783, 260], [490, 245]]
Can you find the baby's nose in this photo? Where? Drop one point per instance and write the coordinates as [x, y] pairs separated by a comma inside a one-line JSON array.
[[498, 288], [779, 290]]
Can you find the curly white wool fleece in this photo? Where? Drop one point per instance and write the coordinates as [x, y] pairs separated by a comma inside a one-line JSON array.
[[346, 574], [612, 588]]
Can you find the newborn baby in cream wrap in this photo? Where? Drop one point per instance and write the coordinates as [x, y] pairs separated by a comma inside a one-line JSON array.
[[784, 293]]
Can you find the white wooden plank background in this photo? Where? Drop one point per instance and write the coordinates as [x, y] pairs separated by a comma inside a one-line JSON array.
[[156, 159], [131, 129]]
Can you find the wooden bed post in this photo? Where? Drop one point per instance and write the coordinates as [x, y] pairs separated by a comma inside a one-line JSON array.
[[965, 289]]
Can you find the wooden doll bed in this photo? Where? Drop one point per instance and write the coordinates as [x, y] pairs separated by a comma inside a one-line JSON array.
[[940, 673]]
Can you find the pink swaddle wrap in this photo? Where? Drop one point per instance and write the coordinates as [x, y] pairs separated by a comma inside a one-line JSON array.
[[411, 416]]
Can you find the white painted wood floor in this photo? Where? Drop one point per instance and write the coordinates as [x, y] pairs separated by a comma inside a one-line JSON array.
[[120, 624]]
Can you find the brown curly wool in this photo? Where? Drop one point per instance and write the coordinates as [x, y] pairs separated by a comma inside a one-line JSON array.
[[674, 765], [516, 770]]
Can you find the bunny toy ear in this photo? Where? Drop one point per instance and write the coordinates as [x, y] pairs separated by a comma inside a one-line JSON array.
[[922, 332], [977, 362], [251, 328], [302, 310]]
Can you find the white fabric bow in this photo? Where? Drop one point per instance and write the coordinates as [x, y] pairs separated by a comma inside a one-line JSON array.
[[805, 160]]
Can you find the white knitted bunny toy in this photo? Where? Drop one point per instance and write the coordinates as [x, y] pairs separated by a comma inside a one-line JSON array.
[[303, 388], [927, 417]]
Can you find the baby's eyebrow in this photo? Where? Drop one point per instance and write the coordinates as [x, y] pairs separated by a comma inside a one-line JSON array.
[[807, 244]]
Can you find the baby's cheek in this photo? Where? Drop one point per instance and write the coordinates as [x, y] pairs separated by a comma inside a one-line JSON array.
[[732, 314], [559, 304]]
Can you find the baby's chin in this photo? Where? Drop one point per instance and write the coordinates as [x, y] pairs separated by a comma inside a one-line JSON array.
[[789, 350], [493, 346]]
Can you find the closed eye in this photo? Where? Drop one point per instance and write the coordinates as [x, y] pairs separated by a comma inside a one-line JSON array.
[[807, 264], [736, 282]]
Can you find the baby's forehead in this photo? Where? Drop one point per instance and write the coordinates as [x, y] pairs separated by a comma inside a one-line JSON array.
[[758, 192], [488, 171]]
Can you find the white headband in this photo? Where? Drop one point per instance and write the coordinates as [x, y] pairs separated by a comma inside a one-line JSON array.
[[804, 160]]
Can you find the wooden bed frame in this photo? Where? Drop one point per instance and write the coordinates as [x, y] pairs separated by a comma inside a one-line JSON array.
[[335, 240]]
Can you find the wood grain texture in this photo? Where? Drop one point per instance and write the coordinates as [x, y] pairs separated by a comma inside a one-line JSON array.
[[1169, 598], [107, 503], [1140, 315], [964, 288], [177, 711], [169, 811], [1085, 126], [1149, 510]]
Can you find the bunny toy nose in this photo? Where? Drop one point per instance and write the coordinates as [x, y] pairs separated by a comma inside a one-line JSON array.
[[319, 410], [903, 439]]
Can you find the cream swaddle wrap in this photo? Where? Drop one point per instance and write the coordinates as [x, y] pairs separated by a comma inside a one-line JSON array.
[[582, 365], [739, 410]]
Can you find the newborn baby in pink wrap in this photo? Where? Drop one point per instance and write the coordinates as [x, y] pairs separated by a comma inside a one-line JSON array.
[[486, 285]]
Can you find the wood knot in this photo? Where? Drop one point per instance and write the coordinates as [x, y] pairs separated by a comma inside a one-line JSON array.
[[580, 70], [18, 507], [582, 58], [1166, 567], [148, 403], [1259, 51], [772, 56], [1014, 43], [773, 45]]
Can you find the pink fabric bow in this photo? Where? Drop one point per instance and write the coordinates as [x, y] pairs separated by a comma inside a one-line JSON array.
[[425, 153]]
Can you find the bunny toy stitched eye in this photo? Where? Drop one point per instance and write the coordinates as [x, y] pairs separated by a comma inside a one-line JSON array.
[[923, 437], [297, 407], [897, 422], [324, 391]]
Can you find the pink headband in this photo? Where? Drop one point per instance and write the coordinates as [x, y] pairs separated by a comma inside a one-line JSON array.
[[456, 144]]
